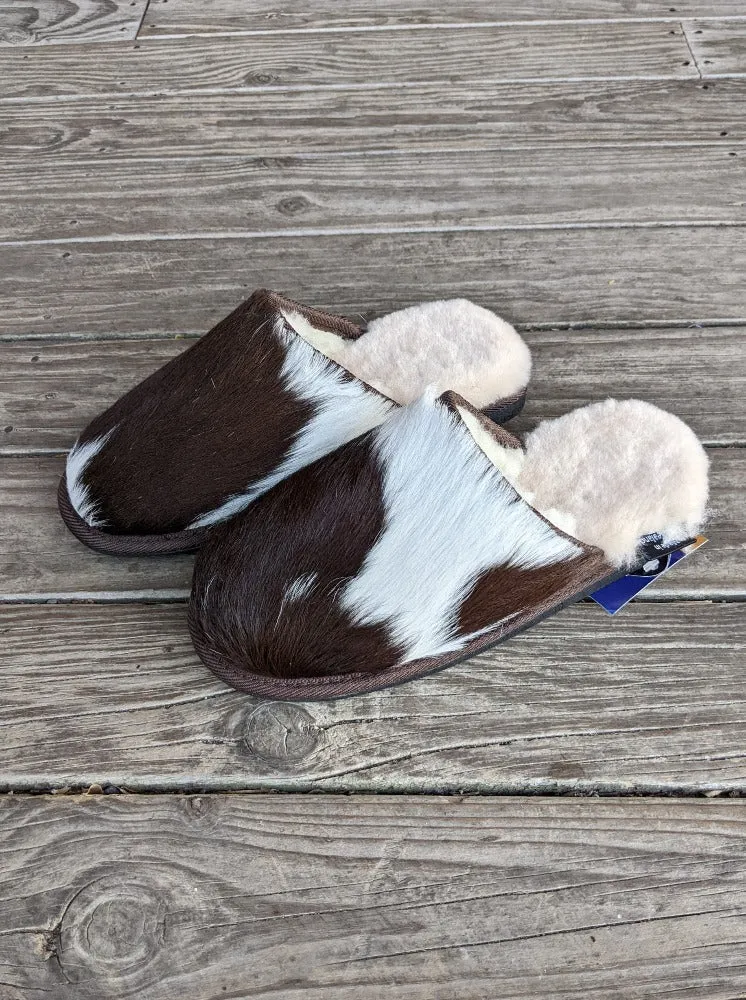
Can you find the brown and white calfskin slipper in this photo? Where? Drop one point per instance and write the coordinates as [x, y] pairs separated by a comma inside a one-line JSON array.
[[269, 390], [433, 537]]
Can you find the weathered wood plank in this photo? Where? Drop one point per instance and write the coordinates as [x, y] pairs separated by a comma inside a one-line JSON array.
[[277, 123], [40, 556], [699, 182], [349, 898], [28, 22], [719, 47], [49, 391], [572, 369], [653, 699], [300, 60], [164, 17], [589, 275], [41, 559]]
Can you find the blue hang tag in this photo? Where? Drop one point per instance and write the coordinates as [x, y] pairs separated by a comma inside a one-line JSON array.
[[614, 596]]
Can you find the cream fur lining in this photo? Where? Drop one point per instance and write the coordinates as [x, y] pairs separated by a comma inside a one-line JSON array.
[[508, 460], [449, 344], [608, 474]]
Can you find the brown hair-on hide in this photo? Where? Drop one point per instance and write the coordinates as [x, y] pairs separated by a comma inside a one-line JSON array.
[[339, 580], [201, 427], [263, 596]]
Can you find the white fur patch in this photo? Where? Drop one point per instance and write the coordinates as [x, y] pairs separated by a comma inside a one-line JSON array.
[[344, 409], [449, 344], [614, 471], [78, 459], [449, 517], [300, 587]]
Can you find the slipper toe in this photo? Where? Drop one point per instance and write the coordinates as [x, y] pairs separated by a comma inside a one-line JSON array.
[[272, 388], [404, 551]]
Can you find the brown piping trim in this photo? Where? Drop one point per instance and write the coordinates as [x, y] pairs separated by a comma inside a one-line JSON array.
[[316, 317], [174, 542], [343, 685], [503, 410]]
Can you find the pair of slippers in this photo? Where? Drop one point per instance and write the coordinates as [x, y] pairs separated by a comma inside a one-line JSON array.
[[361, 515]]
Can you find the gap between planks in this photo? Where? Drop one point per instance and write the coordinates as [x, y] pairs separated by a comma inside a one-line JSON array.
[[735, 595], [438, 26], [209, 156], [188, 334], [555, 788], [314, 233], [442, 26]]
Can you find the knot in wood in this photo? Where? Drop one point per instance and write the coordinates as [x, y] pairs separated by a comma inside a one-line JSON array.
[[293, 204], [17, 36], [113, 926], [280, 732], [260, 79]]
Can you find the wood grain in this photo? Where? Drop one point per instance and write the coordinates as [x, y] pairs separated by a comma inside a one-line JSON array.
[[29, 22], [652, 700], [270, 123], [164, 17], [610, 276], [197, 65], [40, 556], [50, 390], [40, 559], [627, 184], [363, 157], [719, 47], [574, 368], [262, 896]]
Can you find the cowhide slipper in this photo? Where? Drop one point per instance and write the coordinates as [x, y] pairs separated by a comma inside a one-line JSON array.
[[434, 537], [269, 390]]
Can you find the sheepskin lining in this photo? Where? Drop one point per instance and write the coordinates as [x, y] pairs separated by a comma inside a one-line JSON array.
[[609, 474], [449, 344]]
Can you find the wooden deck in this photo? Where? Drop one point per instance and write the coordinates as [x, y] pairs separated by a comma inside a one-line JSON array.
[[563, 817]]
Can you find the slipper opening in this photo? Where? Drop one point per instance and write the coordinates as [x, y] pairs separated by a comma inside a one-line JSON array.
[[610, 474], [449, 344]]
